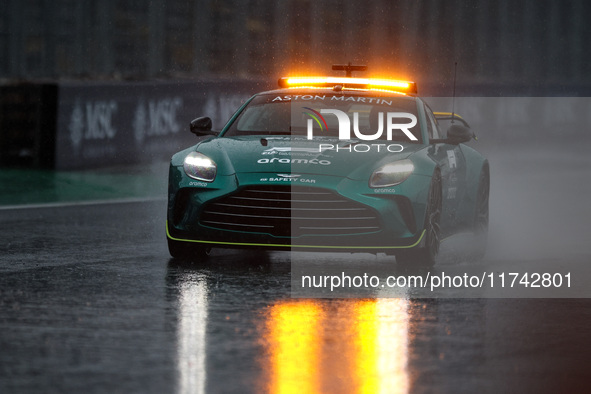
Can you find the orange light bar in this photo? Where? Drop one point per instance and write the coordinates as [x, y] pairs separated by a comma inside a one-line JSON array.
[[358, 83]]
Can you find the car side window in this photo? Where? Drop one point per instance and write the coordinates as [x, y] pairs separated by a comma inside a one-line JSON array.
[[432, 126]]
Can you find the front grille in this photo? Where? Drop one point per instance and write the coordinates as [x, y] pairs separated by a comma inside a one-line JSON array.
[[286, 211]]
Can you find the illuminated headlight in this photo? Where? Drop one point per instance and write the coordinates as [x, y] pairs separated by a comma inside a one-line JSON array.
[[391, 174], [200, 167]]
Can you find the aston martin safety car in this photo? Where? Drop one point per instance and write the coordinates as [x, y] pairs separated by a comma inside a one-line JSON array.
[[332, 164]]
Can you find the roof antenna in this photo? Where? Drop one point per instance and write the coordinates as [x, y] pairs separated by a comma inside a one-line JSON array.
[[453, 100], [348, 68]]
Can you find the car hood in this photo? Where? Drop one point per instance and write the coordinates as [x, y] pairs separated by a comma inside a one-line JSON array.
[[256, 154]]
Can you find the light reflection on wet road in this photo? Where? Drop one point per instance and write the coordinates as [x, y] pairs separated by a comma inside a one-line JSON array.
[[339, 346], [109, 314], [271, 343], [91, 302]]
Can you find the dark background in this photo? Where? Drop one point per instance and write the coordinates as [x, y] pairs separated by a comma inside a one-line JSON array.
[[533, 44], [73, 68], [90, 300]]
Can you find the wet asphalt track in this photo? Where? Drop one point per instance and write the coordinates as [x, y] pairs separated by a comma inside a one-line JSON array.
[[91, 302]]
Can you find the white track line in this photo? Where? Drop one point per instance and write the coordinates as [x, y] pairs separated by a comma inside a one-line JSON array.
[[81, 203]]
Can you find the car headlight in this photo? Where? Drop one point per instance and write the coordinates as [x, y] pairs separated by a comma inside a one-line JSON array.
[[391, 174], [200, 167]]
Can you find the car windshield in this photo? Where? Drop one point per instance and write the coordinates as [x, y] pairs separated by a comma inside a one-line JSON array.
[[275, 114]]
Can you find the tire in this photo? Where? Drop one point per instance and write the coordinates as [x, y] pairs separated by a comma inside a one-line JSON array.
[[481, 215], [426, 255], [187, 251]]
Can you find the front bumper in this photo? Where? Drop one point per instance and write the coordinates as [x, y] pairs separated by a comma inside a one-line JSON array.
[[399, 214], [316, 244]]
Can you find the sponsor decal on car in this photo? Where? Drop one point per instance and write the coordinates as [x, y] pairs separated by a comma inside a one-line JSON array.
[[291, 178], [286, 150], [293, 161]]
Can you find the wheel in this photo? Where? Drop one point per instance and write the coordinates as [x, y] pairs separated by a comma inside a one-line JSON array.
[[426, 255], [187, 250], [480, 225]]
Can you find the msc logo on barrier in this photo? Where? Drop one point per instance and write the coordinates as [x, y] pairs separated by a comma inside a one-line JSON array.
[[92, 121], [159, 119]]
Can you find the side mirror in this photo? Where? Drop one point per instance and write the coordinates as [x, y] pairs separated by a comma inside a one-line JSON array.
[[202, 126], [458, 134]]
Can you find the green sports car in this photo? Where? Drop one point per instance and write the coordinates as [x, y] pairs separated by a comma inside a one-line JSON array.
[[329, 163]]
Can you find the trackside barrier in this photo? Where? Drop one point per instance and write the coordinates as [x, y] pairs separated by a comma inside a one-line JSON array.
[[27, 124], [91, 124], [502, 120], [78, 125]]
